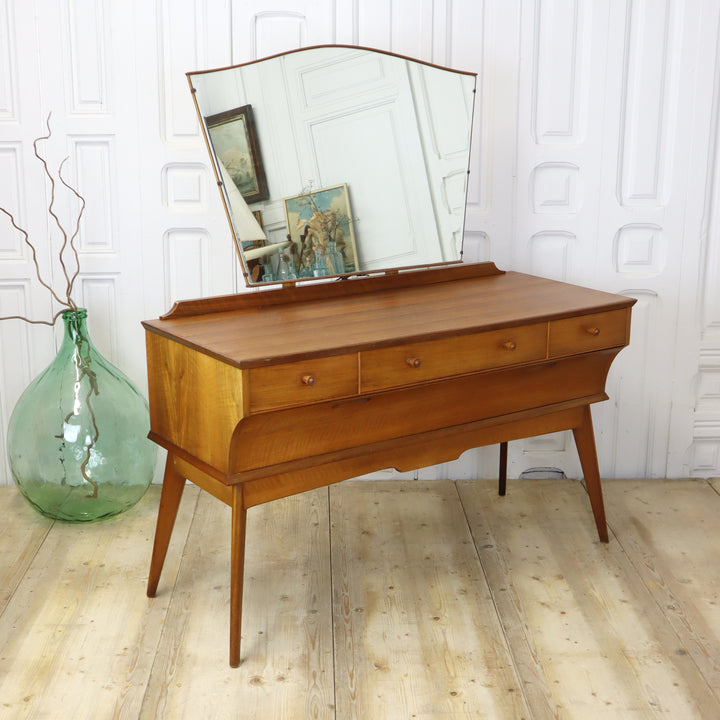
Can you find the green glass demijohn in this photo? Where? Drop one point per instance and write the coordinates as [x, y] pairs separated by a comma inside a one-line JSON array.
[[77, 438]]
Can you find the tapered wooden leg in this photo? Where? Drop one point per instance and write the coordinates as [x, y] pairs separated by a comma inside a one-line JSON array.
[[585, 442], [237, 569], [172, 489], [502, 470]]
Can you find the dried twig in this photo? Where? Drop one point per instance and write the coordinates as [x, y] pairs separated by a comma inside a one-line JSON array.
[[74, 235], [67, 303]]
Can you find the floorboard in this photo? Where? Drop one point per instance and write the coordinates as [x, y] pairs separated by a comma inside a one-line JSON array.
[[373, 599], [21, 535], [78, 632], [672, 546], [416, 631], [590, 640]]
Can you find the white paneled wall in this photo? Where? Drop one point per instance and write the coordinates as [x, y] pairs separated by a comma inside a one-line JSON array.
[[596, 161]]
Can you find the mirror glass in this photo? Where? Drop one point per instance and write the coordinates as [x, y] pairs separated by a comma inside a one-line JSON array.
[[339, 160]]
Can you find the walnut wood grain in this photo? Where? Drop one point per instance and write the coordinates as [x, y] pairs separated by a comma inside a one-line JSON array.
[[411, 363], [303, 382], [588, 332], [172, 490]]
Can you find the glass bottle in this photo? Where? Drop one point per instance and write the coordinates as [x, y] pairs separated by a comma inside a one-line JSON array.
[[335, 258], [319, 269], [286, 270], [77, 438]]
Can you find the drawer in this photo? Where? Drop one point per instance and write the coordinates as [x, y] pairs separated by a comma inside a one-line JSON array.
[[417, 362], [588, 332], [303, 382]]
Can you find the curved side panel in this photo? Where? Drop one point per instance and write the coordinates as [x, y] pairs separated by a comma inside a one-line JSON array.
[[195, 400]]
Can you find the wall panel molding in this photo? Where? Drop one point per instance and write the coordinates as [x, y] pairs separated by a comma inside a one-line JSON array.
[[476, 247], [649, 106], [185, 186], [9, 76], [88, 34], [266, 27], [550, 252], [562, 43], [556, 188], [95, 164], [708, 385], [186, 264], [272, 29], [710, 271], [182, 44], [639, 249], [705, 459], [706, 421], [16, 368], [99, 291], [12, 246]]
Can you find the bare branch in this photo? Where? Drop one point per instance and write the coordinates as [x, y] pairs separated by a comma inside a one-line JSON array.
[[74, 235], [51, 209], [26, 239], [34, 322], [67, 303]]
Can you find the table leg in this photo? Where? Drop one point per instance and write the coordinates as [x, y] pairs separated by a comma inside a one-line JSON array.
[[585, 442], [502, 472], [172, 489], [237, 569]]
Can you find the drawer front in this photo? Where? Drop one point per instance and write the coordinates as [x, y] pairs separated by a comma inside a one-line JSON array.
[[417, 362], [303, 382], [588, 332]]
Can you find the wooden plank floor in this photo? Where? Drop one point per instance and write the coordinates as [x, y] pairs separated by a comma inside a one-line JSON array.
[[373, 600]]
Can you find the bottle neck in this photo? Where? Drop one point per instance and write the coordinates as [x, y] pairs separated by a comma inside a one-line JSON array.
[[75, 328]]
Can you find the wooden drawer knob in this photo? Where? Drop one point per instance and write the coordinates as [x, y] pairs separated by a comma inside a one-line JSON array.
[[413, 362], [593, 330], [510, 345], [308, 380]]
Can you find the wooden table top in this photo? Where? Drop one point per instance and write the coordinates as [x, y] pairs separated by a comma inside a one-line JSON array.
[[252, 336]]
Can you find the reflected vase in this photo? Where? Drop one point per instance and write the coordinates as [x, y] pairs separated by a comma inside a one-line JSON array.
[[77, 438], [335, 258]]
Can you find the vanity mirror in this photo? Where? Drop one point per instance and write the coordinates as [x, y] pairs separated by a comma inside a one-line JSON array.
[[339, 160]]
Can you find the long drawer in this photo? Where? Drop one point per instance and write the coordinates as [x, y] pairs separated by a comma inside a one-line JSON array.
[[416, 362]]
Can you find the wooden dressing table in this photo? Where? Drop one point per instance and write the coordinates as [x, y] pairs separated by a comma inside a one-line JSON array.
[[407, 358], [261, 395]]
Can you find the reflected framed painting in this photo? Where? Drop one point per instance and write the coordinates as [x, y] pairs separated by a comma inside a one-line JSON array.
[[320, 227], [236, 146]]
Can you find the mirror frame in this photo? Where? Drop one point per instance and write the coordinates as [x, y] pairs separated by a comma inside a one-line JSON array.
[[214, 161]]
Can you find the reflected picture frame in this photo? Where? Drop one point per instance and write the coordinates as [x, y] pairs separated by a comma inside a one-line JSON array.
[[302, 212], [236, 146]]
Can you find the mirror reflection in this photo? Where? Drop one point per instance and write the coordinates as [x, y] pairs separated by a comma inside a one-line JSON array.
[[339, 160]]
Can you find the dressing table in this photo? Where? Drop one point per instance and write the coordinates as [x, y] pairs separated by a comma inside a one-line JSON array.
[[403, 361]]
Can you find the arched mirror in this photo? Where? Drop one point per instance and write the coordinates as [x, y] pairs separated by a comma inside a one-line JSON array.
[[339, 160]]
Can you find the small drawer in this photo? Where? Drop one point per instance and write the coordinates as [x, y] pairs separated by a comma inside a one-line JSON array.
[[303, 382], [419, 362], [588, 332]]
